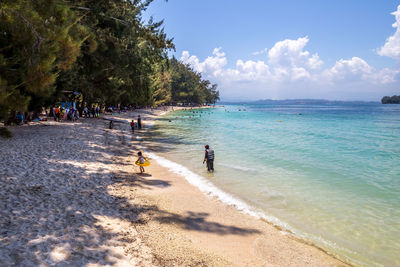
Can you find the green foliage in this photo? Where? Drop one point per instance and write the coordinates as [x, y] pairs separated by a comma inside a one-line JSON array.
[[187, 85], [10, 100], [38, 39], [391, 100], [161, 84], [101, 49], [120, 60]]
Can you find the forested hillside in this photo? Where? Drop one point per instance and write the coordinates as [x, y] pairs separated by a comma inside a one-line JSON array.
[[102, 50]]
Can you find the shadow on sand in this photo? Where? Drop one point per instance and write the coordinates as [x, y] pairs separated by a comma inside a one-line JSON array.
[[54, 200]]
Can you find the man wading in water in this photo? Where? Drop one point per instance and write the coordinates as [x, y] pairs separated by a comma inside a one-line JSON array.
[[209, 157]]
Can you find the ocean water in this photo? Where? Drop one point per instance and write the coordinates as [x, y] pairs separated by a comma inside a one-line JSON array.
[[328, 173]]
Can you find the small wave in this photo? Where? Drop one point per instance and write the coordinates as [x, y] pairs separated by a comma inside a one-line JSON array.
[[210, 189]]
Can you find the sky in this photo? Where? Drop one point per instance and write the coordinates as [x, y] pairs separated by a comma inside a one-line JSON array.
[[288, 49]]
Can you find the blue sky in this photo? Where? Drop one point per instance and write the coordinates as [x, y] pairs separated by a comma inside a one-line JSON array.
[[288, 48]]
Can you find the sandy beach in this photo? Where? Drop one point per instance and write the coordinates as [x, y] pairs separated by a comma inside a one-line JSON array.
[[70, 194]]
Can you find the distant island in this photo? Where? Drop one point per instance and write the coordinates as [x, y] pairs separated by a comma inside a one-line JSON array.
[[300, 102], [391, 99]]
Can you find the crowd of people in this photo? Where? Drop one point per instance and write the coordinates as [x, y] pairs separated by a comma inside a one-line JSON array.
[[59, 113], [73, 114], [62, 113], [94, 111]]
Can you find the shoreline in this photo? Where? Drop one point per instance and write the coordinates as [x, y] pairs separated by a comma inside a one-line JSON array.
[[161, 219], [239, 207]]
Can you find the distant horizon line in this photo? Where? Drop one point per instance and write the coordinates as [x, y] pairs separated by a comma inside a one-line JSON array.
[[297, 100]]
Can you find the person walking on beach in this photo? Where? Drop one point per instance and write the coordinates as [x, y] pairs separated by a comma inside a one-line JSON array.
[[139, 122], [209, 157], [140, 161]]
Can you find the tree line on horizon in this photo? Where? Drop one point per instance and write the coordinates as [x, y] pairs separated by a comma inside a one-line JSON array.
[[102, 51], [391, 99]]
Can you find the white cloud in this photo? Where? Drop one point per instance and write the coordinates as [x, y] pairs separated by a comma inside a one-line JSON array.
[[191, 60], [290, 53], [293, 72], [212, 65], [261, 52], [218, 53], [354, 68], [387, 76], [314, 62], [358, 70], [291, 61], [252, 70], [392, 46]]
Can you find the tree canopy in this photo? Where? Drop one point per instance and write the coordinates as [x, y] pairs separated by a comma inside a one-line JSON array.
[[391, 99], [103, 50]]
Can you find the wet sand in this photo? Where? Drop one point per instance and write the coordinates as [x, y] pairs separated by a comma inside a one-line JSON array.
[[70, 194]]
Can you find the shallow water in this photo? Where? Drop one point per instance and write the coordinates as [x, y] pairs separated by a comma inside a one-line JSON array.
[[330, 173]]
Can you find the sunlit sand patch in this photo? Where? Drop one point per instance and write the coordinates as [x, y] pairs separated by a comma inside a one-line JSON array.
[[113, 225], [60, 253], [40, 239], [88, 166], [54, 180], [127, 242]]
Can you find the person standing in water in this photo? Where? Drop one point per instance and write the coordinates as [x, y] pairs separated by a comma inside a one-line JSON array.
[[209, 157], [139, 122]]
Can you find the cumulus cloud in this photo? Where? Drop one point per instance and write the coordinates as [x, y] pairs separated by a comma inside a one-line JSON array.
[[358, 70], [291, 61], [392, 46], [249, 70], [387, 76], [211, 65], [290, 53], [292, 71], [354, 68]]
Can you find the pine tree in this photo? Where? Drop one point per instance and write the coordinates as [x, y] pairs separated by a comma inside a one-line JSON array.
[[38, 40]]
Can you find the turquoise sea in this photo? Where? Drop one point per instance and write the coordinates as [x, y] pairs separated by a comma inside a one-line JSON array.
[[328, 173]]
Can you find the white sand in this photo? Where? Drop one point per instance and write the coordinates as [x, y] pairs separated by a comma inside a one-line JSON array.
[[70, 195], [55, 200]]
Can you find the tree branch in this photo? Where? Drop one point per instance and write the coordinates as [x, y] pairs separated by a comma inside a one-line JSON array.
[[30, 26]]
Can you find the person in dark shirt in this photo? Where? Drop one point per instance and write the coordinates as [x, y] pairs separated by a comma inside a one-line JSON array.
[[209, 158], [139, 122]]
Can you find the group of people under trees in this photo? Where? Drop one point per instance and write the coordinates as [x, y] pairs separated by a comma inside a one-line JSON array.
[[94, 111], [73, 114], [60, 113]]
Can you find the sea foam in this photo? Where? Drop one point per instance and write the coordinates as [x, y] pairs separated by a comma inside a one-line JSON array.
[[208, 188]]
